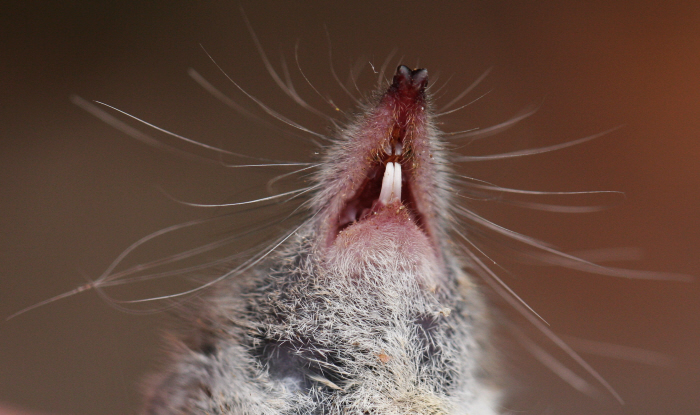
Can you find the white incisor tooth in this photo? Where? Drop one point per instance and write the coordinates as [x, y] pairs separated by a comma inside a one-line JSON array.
[[396, 191], [391, 184]]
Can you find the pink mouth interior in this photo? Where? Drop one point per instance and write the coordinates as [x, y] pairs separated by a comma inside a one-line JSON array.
[[365, 201], [405, 101]]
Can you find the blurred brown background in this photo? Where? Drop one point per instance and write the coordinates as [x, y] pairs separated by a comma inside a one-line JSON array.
[[76, 192]]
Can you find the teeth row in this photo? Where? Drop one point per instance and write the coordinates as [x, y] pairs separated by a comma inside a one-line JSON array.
[[391, 184]]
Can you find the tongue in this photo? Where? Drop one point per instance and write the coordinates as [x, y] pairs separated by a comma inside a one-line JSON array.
[[391, 184]]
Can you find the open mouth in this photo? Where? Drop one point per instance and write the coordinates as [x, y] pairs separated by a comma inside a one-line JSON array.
[[395, 149], [388, 183]]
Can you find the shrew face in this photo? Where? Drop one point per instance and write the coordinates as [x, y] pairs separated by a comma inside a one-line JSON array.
[[364, 309], [382, 189]]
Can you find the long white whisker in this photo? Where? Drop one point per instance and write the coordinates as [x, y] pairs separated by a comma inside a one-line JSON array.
[[115, 123], [540, 150], [233, 272], [145, 239], [335, 75], [586, 266], [179, 256], [74, 291], [304, 205], [434, 83], [497, 188], [183, 138], [267, 109], [325, 99], [117, 278], [286, 88], [498, 279], [352, 76], [106, 274], [466, 91], [382, 70], [247, 202], [570, 261], [544, 329], [557, 367], [463, 106], [233, 166], [132, 132], [216, 93], [477, 248], [197, 77], [281, 176], [546, 207], [494, 129], [308, 189], [616, 351]]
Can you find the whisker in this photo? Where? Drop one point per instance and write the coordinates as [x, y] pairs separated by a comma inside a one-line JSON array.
[[466, 91], [267, 109], [477, 248], [147, 238], [332, 67], [183, 138], [266, 165], [586, 266], [216, 93], [118, 278], [133, 132], [115, 304], [106, 274], [497, 188], [570, 261], [557, 367], [286, 88], [540, 150], [352, 76], [236, 271], [72, 292], [482, 269], [308, 189], [494, 129], [498, 279], [546, 207], [247, 202], [616, 351], [610, 254], [221, 96], [462, 107], [281, 176], [181, 255], [434, 83], [382, 69], [325, 99]]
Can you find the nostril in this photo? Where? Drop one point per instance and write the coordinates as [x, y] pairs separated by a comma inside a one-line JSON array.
[[420, 78], [403, 74], [406, 78]]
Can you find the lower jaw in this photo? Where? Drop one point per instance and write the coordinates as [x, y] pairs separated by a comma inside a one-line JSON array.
[[388, 240]]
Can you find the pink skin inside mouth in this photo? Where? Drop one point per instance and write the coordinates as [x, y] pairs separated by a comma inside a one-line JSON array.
[[394, 132]]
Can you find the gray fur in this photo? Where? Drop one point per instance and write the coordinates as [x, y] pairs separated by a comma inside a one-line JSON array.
[[317, 331]]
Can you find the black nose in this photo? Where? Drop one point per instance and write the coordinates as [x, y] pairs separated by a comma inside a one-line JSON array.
[[407, 79]]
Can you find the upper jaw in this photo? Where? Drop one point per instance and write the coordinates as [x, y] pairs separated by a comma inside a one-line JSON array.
[[383, 163]]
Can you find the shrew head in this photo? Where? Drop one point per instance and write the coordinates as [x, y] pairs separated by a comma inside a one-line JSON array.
[[382, 181]]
